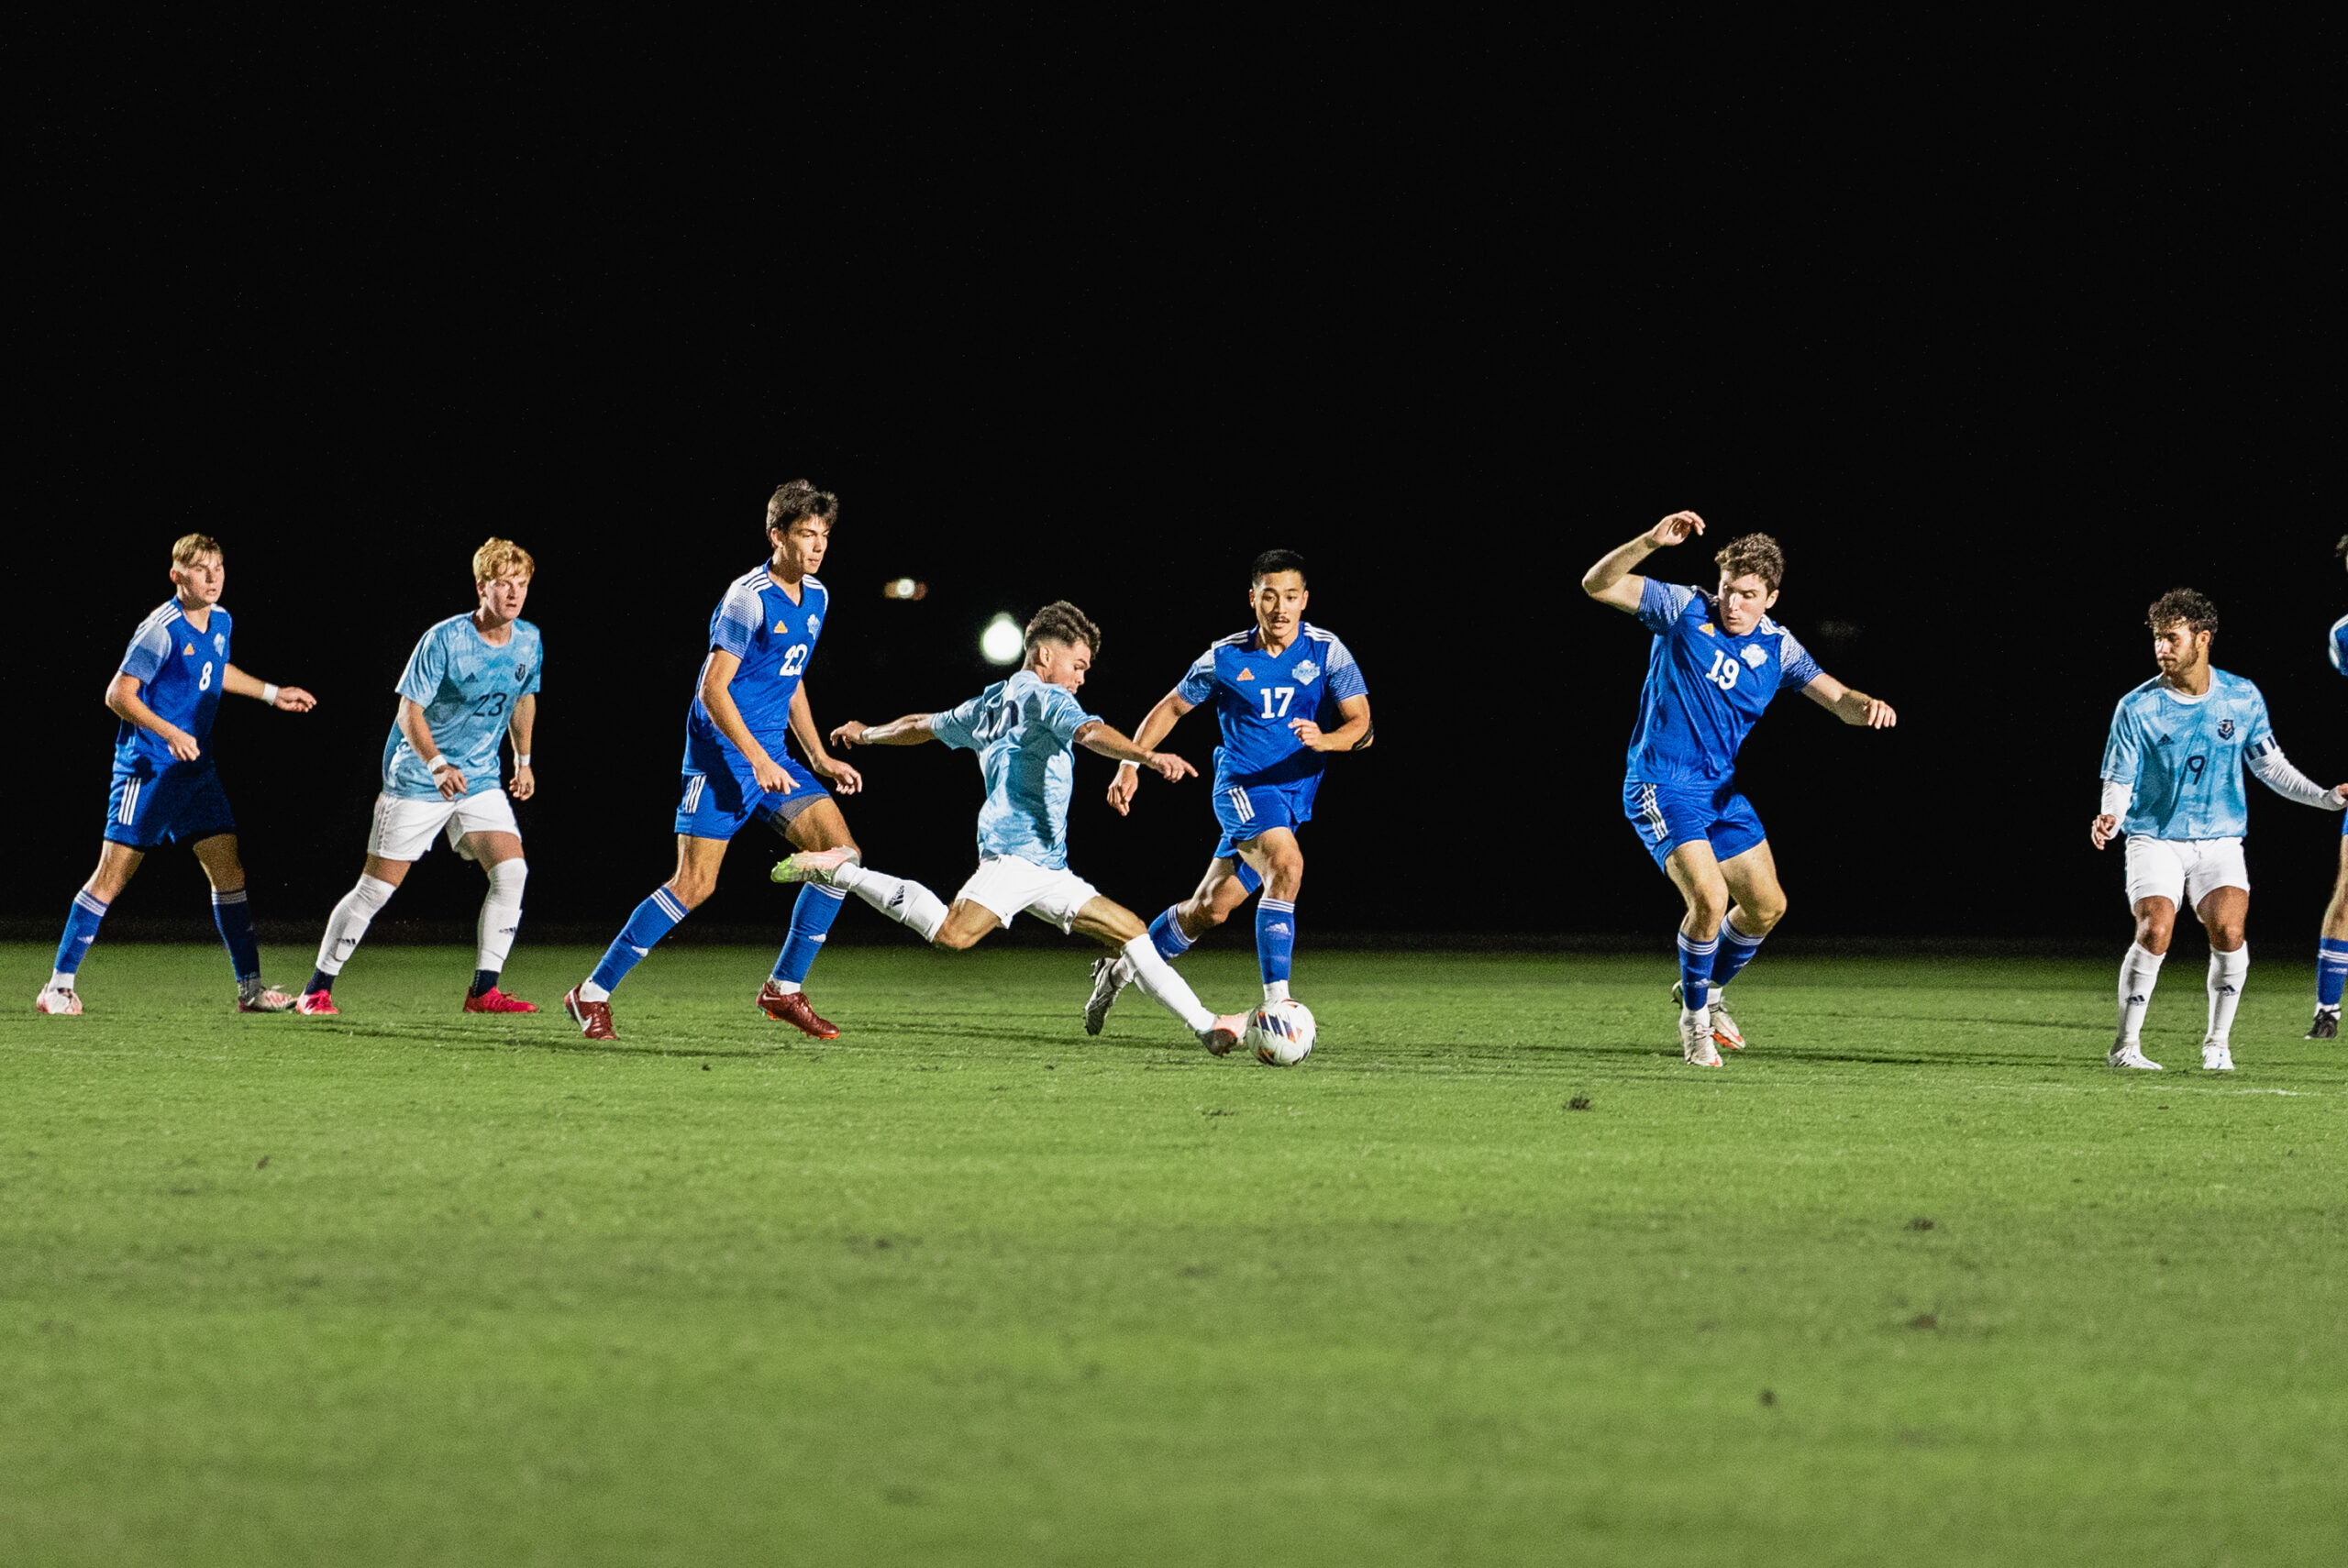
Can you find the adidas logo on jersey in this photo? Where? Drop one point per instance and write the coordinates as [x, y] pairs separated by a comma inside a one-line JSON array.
[[1706, 628], [189, 651], [1245, 674]]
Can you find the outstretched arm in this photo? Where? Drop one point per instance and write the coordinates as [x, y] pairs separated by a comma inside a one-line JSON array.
[[290, 699], [2275, 771], [1155, 726], [1850, 706], [1106, 740], [1611, 581], [911, 730]]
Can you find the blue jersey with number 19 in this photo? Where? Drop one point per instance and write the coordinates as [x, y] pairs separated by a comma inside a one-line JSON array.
[[179, 671], [466, 687], [773, 636], [1705, 688]]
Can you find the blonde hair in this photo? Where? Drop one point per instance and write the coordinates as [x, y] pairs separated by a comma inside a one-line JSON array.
[[499, 557], [185, 549]]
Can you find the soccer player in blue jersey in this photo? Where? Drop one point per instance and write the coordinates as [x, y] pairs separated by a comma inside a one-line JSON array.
[[761, 639], [165, 789], [1716, 661], [471, 680], [1023, 730], [2172, 783], [2332, 947], [1286, 694]]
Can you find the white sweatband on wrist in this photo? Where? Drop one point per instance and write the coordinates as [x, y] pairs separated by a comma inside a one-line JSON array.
[[2117, 797], [521, 759], [1135, 766], [435, 764], [269, 693]]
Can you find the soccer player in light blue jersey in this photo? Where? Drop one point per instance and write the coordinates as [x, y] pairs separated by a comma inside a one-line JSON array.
[[472, 680], [166, 789], [749, 699], [1716, 661], [2172, 783], [1023, 730], [2332, 947], [1286, 695]]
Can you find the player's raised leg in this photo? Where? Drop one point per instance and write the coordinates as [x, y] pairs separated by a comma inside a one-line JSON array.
[[233, 916], [116, 864], [2225, 913], [815, 827], [1106, 920], [2332, 955]]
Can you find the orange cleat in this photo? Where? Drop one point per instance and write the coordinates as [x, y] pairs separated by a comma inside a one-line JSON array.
[[792, 1008], [317, 1004], [594, 1018], [495, 1000]]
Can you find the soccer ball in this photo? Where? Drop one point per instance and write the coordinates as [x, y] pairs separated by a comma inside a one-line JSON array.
[[1280, 1033]]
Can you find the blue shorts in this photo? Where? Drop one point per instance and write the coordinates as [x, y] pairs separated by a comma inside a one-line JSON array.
[[178, 805], [1668, 816], [1246, 811], [721, 793]]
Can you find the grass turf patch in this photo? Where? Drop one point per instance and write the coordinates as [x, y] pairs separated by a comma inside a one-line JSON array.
[[1913, 1277]]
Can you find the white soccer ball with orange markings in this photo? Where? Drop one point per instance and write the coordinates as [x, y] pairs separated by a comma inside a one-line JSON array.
[[1280, 1033]]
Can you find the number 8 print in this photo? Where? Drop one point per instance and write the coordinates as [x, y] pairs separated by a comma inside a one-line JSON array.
[[203, 682]]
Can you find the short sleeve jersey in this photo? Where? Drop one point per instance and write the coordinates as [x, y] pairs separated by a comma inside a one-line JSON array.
[[773, 636], [1705, 688], [179, 671], [2185, 756], [1023, 730], [1257, 694], [2340, 644], [466, 687]]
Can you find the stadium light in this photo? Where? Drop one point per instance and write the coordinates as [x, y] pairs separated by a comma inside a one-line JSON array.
[[905, 587], [1001, 641]]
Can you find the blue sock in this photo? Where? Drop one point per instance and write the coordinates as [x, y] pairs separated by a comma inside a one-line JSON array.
[[1696, 969], [2330, 971], [811, 920], [485, 981], [321, 984], [1275, 937], [235, 918], [1736, 951], [1247, 878], [1166, 936], [81, 929], [655, 918]]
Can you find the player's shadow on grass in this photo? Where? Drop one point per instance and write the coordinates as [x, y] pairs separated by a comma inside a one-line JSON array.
[[418, 1036]]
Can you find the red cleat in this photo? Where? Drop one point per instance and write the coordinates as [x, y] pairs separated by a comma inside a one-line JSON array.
[[792, 1008], [594, 1018], [317, 1004], [495, 1000]]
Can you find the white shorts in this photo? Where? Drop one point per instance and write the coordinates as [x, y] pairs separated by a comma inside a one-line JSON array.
[[1007, 886], [404, 829], [2184, 870]]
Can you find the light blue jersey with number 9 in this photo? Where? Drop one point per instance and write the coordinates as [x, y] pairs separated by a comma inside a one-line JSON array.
[[466, 687]]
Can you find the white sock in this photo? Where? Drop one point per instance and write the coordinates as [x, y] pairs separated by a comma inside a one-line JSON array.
[[350, 921], [500, 913], [589, 992], [1165, 988], [1275, 990], [1694, 1017], [910, 904], [2226, 973], [59, 980], [2139, 972]]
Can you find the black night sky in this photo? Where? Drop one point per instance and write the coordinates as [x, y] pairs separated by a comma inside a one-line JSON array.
[[1997, 361]]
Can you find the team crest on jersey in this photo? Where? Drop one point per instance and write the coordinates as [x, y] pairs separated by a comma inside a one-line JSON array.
[[221, 644], [814, 624], [2225, 729], [1308, 672], [1245, 674], [1754, 656], [522, 670]]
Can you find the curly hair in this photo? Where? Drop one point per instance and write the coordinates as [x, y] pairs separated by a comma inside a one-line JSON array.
[[2182, 604], [799, 498], [1755, 553], [1060, 622]]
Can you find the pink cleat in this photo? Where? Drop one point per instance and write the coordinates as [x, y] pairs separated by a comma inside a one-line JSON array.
[[495, 1000], [317, 1004], [58, 1003]]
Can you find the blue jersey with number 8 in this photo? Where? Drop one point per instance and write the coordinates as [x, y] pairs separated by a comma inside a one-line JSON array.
[[179, 671], [466, 687], [1705, 688]]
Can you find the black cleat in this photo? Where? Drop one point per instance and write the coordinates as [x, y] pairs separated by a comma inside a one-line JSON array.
[[2326, 1025]]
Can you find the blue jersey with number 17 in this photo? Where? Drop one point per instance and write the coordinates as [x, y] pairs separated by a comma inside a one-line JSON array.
[[1257, 695], [466, 687], [1705, 688]]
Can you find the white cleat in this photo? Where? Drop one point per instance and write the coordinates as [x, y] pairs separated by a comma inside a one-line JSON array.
[[1696, 1047], [58, 1002], [2217, 1056], [1105, 986], [1225, 1033], [1725, 1033], [2127, 1054]]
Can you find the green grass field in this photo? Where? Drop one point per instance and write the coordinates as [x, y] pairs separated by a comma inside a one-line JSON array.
[[1914, 1280]]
